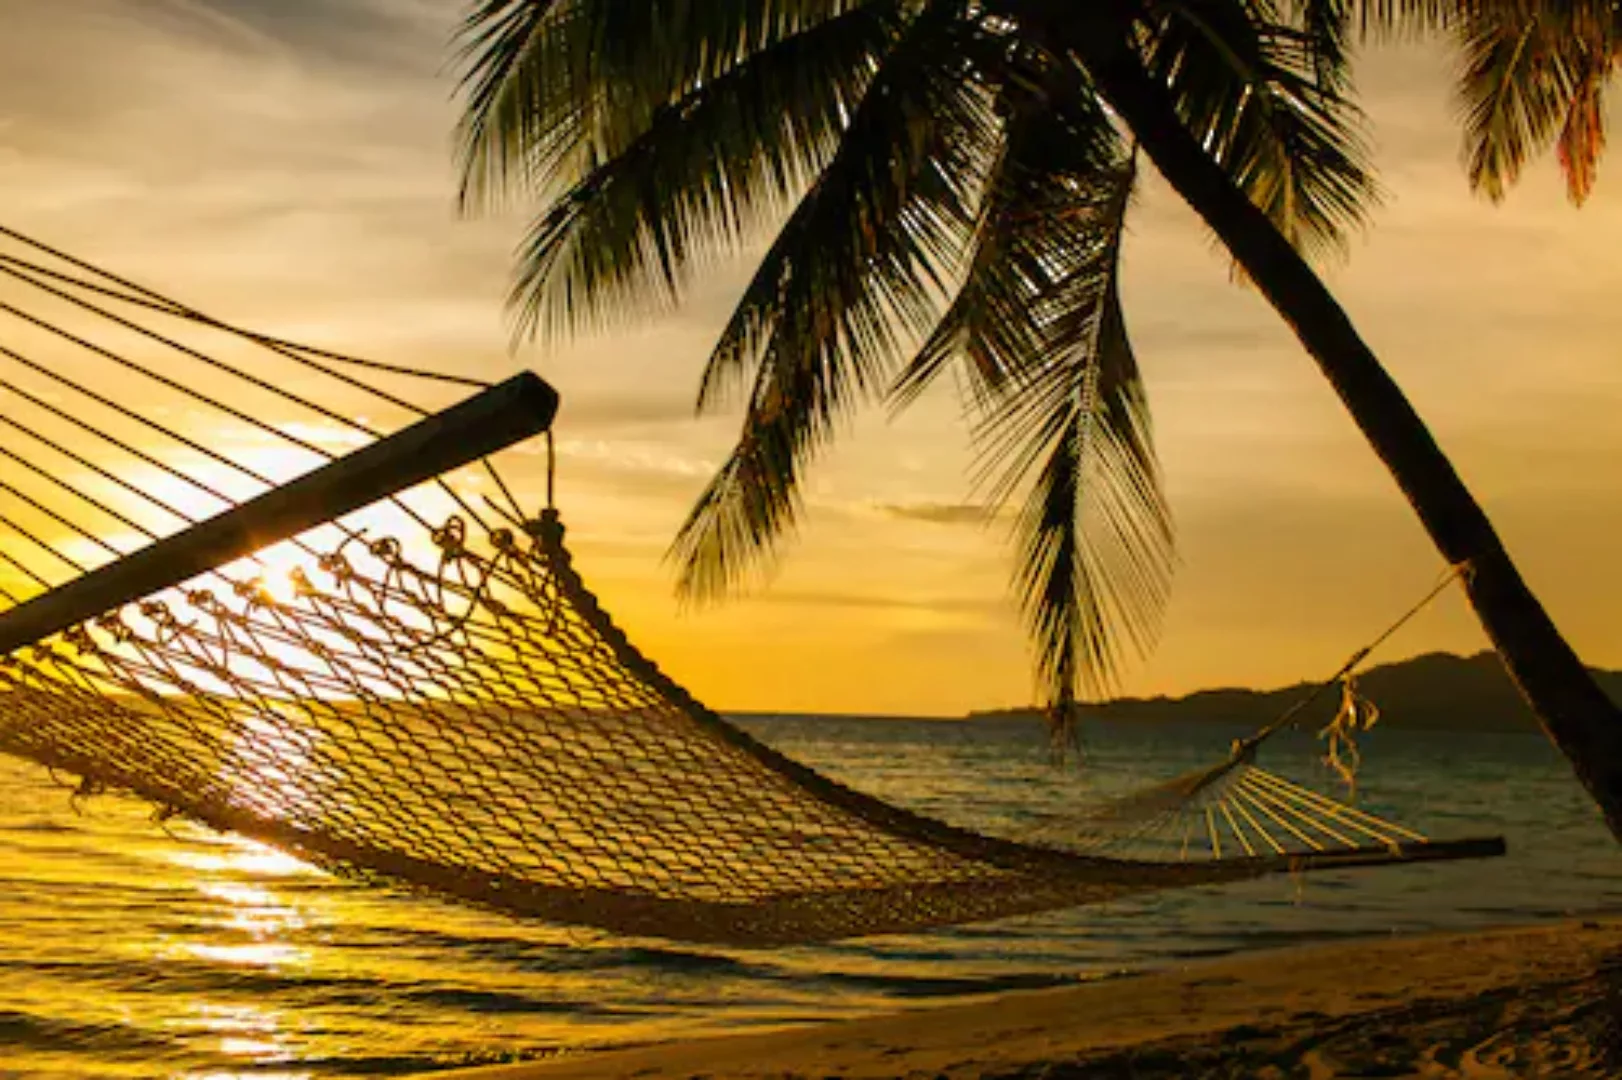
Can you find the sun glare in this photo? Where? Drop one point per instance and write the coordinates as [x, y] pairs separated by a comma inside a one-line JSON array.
[[280, 585]]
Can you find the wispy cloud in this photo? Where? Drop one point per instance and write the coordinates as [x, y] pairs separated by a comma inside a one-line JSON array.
[[352, 33], [824, 598], [937, 513]]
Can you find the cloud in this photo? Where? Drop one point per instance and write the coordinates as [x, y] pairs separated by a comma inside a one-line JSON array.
[[354, 32], [630, 411], [941, 513], [962, 605]]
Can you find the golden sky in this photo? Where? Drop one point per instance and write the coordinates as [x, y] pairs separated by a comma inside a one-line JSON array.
[[287, 164]]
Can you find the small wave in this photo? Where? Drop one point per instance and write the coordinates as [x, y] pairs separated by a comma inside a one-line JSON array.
[[491, 1002], [186, 977], [21, 1032], [1242, 939], [930, 986], [430, 1062], [529, 955], [42, 825]]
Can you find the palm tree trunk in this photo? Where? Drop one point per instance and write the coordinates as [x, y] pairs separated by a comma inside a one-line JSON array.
[[1573, 710]]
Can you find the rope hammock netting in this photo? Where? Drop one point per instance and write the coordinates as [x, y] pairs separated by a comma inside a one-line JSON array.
[[244, 603]]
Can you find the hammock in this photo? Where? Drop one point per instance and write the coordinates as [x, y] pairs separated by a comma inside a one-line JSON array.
[[358, 647]]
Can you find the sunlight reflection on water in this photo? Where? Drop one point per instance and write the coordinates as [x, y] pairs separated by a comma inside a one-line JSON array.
[[248, 856], [243, 908], [246, 1033], [253, 1035]]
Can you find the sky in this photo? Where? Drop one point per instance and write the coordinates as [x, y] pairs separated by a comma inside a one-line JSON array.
[[287, 164]]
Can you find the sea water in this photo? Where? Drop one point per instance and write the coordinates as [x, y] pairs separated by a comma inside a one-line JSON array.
[[132, 950]]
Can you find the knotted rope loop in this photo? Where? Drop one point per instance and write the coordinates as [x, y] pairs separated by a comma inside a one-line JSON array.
[[82, 641], [303, 587], [113, 625], [451, 538], [387, 550], [337, 566]]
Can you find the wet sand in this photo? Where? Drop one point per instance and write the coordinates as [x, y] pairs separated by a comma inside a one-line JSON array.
[[1539, 1000]]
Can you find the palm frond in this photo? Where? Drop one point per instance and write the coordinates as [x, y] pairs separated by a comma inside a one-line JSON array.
[[855, 272], [1408, 20], [654, 52], [554, 87], [521, 116], [1326, 27], [1532, 76], [1093, 535], [1248, 85], [706, 172], [1028, 234], [1582, 139]]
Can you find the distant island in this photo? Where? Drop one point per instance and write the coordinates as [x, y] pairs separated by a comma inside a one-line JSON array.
[[1433, 692]]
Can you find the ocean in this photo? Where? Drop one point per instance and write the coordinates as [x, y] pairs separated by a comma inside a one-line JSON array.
[[131, 949]]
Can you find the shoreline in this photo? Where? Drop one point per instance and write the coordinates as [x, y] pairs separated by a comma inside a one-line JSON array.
[[1521, 1000]]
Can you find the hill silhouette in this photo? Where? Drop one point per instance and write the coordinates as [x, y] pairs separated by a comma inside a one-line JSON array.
[[1434, 692]]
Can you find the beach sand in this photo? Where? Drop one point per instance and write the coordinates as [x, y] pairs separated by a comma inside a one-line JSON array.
[[1539, 1001]]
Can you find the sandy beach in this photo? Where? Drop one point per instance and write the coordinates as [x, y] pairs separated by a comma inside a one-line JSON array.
[[1540, 1000]]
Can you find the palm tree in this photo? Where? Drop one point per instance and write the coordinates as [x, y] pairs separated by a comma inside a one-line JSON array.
[[951, 179]]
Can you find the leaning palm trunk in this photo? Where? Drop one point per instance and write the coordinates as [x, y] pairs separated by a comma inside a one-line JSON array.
[[1572, 709]]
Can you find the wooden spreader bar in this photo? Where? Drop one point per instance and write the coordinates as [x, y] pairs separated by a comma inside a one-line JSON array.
[[491, 420]]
